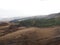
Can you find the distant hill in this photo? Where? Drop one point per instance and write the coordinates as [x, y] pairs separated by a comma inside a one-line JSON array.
[[35, 21], [55, 15], [39, 21]]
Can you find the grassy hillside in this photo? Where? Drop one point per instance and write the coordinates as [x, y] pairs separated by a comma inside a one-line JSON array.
[[39, 22], [29, 32], [32, 36]]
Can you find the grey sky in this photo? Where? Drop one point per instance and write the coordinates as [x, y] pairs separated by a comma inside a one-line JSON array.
[[25, 8]]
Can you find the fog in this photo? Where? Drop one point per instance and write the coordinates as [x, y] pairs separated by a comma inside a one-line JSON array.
[[25, 8]]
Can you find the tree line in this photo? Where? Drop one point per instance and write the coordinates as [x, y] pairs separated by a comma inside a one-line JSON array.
[[39, 22]]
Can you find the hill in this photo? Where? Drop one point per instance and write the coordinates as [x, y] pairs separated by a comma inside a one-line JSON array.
[[35, 30], [32, 36], [39, 21]]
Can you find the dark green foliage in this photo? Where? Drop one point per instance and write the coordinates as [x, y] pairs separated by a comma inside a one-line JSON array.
[[40, 22]]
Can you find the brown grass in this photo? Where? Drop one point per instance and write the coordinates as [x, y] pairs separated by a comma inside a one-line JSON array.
[[30, 36]]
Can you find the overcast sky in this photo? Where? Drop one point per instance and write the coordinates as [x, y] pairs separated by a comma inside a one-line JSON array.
[[25, 8]]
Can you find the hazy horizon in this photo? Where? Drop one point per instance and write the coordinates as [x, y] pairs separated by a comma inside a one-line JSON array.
[[26, 8]]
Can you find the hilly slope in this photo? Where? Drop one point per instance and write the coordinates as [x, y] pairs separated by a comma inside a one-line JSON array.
[[36, 30], [7, 27], [39, 21], [32, 36]]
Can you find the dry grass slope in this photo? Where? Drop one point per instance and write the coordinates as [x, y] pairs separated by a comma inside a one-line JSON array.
[[30, 36]]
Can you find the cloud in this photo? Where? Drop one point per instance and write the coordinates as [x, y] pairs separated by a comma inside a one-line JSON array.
[[7, 13], [25, 8]]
